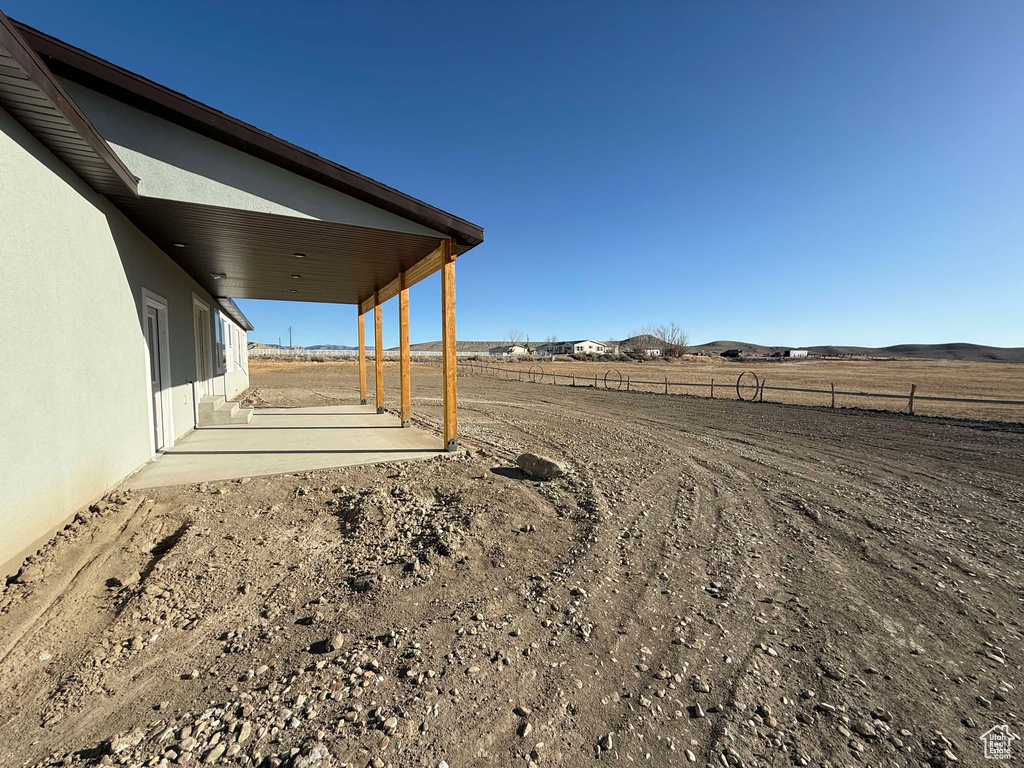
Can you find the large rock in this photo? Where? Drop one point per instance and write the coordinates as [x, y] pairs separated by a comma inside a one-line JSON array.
[[540, 466]]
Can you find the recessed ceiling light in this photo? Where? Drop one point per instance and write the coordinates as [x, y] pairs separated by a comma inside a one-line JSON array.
[[296, 276], [218, 275], [293, 290], [179, 245], [299, 255]]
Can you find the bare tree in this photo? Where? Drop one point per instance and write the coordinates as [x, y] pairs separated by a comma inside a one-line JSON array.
[[515, 337], [552, 339], [676, 342]]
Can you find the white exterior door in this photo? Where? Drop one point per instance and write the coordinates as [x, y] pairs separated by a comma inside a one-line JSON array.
[[201, 319], [155, 375], [158, 365]]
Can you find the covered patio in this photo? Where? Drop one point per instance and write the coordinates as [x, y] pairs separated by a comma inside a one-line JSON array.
[[248, 215], [286, 441]]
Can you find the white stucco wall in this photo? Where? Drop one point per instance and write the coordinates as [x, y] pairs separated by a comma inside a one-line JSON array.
[[174, 163], [74, 411], [233, 377]]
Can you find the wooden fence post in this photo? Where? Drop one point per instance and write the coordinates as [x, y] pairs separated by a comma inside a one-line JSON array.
[[666, 385], [712, 389], [627, 383], [833, 394], [910, 408]]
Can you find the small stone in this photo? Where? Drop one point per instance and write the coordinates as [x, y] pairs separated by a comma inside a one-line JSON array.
[[337, 642], [865, 729], [525, 730], [216, 753]]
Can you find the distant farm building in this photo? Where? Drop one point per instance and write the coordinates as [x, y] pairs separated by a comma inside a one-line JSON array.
[[644, 344], [795, 353], [580, 347], [508, 350]]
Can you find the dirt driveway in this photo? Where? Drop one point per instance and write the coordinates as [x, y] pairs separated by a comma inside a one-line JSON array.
[[717, 583]]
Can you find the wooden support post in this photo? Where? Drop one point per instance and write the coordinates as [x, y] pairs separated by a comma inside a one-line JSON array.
[[362, 358], [910, 408], [833, 394], [666, 385], [712, 389], [448, 344], [378, 333], [403, 343]]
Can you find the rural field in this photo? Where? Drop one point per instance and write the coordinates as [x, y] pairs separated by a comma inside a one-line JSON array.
[[946, 378], [712, 583]]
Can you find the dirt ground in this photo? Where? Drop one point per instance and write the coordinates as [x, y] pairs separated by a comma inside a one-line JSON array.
[[714, 582]]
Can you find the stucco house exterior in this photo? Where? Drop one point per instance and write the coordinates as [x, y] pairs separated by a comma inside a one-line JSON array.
[[134, 215]]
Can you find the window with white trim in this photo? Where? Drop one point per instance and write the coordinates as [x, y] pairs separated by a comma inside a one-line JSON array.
[[219, 352]]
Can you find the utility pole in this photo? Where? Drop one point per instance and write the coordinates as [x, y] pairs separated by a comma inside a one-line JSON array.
[[289, 337]]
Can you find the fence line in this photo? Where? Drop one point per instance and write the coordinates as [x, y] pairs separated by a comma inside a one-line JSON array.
[[755, 387], [306, 352]]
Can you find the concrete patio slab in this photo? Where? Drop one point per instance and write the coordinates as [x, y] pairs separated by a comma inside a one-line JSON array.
[[287, 440]]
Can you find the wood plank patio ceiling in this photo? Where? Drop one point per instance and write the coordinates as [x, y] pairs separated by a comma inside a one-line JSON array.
[[254, 251]]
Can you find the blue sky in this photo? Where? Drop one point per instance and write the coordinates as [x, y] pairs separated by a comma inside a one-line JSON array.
[[775, 172]]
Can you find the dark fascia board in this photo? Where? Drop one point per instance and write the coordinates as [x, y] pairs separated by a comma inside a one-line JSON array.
[[236, 314], [23, 53], [94, 72]]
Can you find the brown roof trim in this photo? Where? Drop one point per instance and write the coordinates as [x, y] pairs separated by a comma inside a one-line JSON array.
[[234, 312], [19, 50], [92, 71]]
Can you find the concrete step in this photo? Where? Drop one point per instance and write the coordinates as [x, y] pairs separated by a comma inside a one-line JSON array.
[[215, 410], [210, 403]]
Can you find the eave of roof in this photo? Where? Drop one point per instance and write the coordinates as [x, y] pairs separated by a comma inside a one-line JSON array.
[[232, 310], [31, 94], [89, 70]]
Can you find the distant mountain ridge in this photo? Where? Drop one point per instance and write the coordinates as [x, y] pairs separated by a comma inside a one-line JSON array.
[[977, 353]]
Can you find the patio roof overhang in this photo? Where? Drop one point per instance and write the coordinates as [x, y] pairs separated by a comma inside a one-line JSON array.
[[230, 251], [252, 255], [321, 232]]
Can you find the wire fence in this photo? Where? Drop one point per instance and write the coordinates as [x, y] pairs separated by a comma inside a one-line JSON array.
[[747, 386], [389, 354]]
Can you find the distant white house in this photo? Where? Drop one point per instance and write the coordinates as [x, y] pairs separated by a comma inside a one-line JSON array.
[[580, 347], [796, 353], [645, 344], [508, 350]]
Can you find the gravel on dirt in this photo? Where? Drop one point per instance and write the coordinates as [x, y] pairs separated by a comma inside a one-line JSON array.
[[722, 583]]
